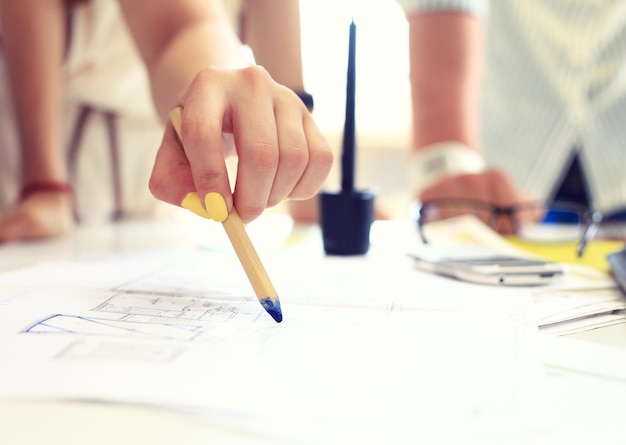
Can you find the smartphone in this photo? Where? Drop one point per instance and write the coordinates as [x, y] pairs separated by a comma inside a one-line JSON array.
[[505, 270]]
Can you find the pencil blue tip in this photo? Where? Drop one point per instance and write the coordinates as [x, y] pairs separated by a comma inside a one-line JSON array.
[[272, 306]]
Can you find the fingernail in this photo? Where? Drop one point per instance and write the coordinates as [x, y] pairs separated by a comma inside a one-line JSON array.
[[192, 202], [216, 206]]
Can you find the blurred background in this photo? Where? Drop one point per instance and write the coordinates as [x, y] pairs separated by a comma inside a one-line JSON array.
[[383, 107]]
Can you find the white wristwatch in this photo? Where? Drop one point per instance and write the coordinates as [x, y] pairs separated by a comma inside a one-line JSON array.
[[430, 164]]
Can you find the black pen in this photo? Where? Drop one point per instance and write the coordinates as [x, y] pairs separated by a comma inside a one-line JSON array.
[[590, 232], [349, 132]]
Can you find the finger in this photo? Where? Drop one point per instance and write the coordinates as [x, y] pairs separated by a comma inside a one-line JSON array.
[[171, 178], [256, 140], [465, 186], [293, 150], [40, 215], [459, 195], [502, 191], [11, 228], [201, 134], [320, 161], [504, 195]]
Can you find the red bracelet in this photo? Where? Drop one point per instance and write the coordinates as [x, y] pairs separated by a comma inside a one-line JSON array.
[[46, 186]]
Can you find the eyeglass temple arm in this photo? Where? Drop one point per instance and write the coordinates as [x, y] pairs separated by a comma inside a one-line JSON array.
[[590, 233]]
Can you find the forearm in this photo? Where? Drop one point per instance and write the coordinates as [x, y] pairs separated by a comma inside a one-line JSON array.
[[446, 66], [186, 56], [197, 36], [272, 29], [33, 34]]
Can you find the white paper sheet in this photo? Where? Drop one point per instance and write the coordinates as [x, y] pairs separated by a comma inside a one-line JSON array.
[[584, 299], [369, 349], [587, 389]]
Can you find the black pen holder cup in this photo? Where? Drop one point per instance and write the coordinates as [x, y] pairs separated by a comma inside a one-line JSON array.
[[345, 220]]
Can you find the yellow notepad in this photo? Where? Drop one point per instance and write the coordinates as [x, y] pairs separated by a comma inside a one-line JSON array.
[[594, 256]]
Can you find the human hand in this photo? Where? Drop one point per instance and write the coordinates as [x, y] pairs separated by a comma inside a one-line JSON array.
[[491, 187], [281, 151], [39, 215]]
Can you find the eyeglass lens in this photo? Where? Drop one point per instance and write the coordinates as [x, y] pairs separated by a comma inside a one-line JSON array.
[[559, 221]]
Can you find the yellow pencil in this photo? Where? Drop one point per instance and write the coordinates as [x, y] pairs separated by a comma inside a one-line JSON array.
[[263, 287]]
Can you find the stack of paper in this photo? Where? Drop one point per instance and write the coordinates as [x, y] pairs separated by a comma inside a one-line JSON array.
[[586, 298], [371, 350]]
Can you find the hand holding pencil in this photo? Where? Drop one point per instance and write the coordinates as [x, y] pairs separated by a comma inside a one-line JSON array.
[[281, 153], [263, 287], [280, 150]]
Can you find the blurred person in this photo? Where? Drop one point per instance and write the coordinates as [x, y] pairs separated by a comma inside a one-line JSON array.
[[518, 102], [84, 100]]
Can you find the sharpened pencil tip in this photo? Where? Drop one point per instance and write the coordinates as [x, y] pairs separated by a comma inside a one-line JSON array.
[[272, 306], [276, 315]]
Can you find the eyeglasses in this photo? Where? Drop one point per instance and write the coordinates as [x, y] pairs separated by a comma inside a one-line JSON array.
[[537, 221]]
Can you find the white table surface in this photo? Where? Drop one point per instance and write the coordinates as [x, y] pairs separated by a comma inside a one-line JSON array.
[[79, 422]]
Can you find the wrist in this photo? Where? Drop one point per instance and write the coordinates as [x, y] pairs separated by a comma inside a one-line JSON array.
[[47, 187], [430, 164], [306, 98]]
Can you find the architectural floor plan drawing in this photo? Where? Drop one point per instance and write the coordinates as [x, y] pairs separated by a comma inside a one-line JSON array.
[[184, 329], [86, 325], [370, 349], [177, 308], [148, 317], [141, 308], [138, 326]]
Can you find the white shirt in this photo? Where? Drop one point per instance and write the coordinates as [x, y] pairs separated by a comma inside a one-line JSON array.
[[555, 81]]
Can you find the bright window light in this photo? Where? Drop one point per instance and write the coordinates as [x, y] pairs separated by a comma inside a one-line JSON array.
[[383, 90]]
